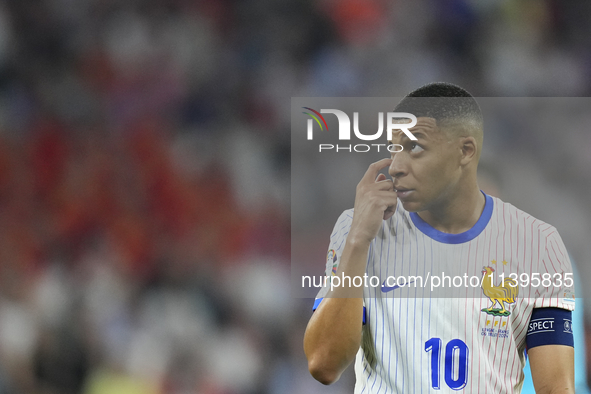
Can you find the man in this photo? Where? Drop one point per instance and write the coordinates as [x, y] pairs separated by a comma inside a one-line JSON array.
[[432, 219]]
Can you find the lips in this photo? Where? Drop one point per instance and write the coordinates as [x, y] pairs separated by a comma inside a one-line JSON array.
[[402, 192]]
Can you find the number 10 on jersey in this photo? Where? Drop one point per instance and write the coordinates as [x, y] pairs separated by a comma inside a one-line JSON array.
[[456, 363]]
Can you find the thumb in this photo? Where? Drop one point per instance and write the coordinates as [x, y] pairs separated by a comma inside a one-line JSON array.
[[381, 177], [388, 213]]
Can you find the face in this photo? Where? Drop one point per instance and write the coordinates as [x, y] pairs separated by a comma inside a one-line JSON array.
[[426, 171]]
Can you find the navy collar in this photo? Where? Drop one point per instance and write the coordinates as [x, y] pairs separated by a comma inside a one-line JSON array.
[[466, 236]]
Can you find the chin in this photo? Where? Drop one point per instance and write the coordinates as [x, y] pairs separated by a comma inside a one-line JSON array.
[[412, 206]]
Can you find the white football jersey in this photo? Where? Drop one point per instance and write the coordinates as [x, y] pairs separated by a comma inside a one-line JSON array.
[[471, 340]]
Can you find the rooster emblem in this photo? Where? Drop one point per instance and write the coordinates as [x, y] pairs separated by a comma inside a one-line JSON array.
[[502, 293]]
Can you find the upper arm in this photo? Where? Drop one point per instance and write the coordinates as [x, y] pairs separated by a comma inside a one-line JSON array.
[[549, 339], [336, 245], [553, 368]]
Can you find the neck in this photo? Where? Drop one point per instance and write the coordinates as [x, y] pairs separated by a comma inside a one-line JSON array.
[[456, 213]]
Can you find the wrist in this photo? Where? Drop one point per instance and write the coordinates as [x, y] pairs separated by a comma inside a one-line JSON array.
[[358, 242]]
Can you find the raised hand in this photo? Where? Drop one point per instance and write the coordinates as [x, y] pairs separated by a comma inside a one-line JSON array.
[[375, 200]]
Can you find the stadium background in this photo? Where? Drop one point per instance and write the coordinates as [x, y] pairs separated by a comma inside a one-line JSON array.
[[145, 170]]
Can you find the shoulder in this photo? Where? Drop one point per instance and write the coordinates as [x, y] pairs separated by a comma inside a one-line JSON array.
[[348, 213], [509, 216], [345, 217], [343, 223]]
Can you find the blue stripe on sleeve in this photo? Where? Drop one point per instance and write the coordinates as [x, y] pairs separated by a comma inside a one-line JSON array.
[[316, 303], [319, 300]]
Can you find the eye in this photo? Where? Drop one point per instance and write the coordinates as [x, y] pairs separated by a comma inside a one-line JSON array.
[[415, 148]]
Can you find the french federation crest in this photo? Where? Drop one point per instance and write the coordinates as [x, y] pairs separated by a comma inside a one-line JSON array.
[[503, 294]]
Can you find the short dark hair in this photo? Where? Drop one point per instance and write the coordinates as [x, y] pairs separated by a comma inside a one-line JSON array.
[[441, 101]]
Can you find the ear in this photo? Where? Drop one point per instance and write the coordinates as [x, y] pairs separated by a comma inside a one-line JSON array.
[[469, 149]]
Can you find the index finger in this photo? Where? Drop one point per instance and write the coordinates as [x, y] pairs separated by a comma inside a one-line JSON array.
[[374, 168]]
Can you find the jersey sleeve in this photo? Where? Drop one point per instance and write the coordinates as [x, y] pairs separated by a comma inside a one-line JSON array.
[[561, 290], [335, 249]]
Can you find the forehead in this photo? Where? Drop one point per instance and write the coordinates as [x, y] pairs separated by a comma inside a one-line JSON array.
[[426, 128]]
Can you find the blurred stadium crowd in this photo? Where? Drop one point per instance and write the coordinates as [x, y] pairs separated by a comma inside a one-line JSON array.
[[145, 170]]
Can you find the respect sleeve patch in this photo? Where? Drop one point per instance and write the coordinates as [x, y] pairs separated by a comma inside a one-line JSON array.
[[550, 326]]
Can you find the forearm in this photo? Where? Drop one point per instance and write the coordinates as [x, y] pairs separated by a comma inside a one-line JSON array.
[[333, 335], [552, 368], [562, 390]]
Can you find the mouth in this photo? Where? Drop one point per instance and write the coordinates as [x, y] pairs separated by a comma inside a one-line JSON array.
[[402, 192]]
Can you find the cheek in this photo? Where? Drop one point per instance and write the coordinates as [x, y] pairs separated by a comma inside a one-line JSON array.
[[447, 161], [437, 169], [438, 173]]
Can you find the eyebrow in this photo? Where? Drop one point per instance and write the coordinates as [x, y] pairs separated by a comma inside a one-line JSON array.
[[418, 133]]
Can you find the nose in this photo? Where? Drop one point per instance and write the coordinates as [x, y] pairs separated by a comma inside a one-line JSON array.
[[398, 167]]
